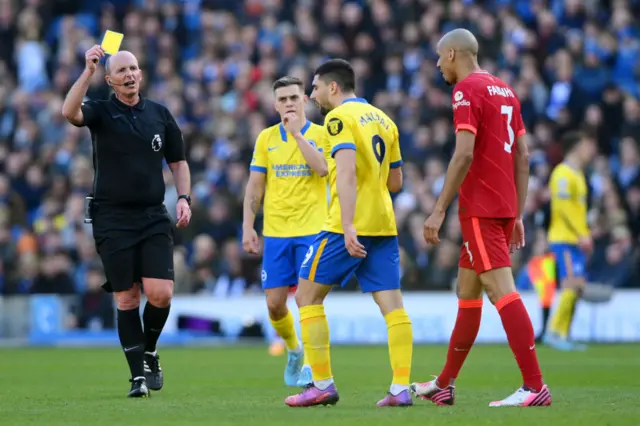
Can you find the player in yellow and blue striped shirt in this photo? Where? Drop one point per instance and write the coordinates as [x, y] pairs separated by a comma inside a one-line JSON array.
[[359, 236], [569, 236], [288, 167]]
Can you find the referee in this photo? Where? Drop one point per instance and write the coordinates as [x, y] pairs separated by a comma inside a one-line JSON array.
[[131, 227]]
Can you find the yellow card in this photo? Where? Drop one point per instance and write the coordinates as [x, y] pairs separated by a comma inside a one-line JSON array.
[[111, 42]]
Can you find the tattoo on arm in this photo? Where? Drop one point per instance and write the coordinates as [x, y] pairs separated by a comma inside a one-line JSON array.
[[255, 204]]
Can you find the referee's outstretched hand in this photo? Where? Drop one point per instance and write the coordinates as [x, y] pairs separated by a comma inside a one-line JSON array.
[[183, 212], [92, 57]]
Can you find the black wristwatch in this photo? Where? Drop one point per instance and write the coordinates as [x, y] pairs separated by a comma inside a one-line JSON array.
[[185, 197]]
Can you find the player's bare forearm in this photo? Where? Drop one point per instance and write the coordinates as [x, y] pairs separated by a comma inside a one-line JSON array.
[[313, 157], [457, 170], [394, 181], [181, 176], [521, 170], [346, 184], [252, 199], [72, 103]]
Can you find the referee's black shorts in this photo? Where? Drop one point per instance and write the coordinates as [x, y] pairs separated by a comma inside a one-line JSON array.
[[133, 243]]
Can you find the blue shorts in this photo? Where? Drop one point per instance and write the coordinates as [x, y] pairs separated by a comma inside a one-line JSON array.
[[282, 259], [328, 262], [570, 261]]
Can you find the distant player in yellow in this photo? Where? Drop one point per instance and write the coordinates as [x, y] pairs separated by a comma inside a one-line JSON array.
[[288, 168], [569, 236], [359, 236]]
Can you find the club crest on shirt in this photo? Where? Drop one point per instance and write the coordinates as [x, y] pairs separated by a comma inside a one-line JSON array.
[[458, 97], [156, 143], [334, 126]]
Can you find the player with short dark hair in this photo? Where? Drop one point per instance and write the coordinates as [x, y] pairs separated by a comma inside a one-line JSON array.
[[131, 226], [361, 239], [570, 139], [569, 236], [288, 168], [288, 81], [490, 172]]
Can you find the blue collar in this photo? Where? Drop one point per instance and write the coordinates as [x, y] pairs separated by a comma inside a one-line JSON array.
[[283, 131], [359, 100]]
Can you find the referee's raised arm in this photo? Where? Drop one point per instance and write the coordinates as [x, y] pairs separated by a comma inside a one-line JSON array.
[[72, 107]]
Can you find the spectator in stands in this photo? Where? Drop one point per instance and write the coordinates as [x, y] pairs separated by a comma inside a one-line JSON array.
[[54, 276], [95, 311]]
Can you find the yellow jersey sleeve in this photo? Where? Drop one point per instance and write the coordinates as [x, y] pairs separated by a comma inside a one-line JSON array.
[[396, 156], [338, 133], [260, 161]]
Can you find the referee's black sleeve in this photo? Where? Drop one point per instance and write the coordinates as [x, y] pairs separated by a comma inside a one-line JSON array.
[[90, 114], [175, 150]]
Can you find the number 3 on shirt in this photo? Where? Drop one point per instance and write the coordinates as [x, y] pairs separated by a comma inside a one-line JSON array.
[[508, 111]]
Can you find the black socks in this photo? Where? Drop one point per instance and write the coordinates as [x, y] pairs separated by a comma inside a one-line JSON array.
[[154, 319], [132, 340]]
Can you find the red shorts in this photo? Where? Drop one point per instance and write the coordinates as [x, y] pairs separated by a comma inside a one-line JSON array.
[[485, 243]]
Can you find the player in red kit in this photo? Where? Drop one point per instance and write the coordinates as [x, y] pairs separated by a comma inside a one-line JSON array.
[[490, 171]]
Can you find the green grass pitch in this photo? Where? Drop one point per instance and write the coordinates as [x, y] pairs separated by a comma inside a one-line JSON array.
[[243, 385]]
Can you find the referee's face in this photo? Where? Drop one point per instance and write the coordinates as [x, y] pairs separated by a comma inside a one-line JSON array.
[[123, 74]]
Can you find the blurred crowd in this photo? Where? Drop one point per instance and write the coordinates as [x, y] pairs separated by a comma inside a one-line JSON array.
[[574, 64]]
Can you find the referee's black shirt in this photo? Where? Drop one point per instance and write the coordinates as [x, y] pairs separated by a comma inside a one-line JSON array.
[[129, 144]]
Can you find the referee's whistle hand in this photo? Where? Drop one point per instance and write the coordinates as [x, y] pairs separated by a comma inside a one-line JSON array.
[[183, 213], [92, 57]]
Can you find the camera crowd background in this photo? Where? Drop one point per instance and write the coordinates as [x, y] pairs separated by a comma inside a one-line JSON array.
[[574, 64]]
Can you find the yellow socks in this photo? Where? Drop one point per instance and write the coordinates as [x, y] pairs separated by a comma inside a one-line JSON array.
[[561, 321], [315, 338], [400, 337], [285, 329]]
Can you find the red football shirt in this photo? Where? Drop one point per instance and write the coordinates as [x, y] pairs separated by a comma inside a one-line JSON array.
[[489, 108]]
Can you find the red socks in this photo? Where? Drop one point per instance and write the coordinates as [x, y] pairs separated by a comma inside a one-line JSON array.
[[462, 338], [517, 325]]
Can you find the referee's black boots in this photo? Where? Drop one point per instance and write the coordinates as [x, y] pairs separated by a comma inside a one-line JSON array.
[[153, 371], [139, 388]]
